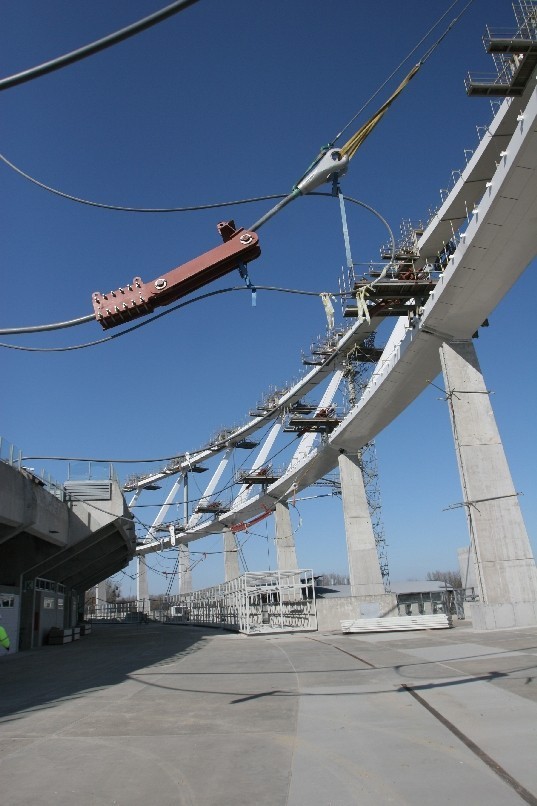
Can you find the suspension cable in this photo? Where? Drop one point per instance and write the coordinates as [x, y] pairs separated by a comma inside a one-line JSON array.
[[95, 47], [407, 57], [124, 209]]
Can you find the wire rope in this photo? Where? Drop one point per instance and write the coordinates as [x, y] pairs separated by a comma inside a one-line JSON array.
[[401, 63], [96, 46], [123, 209]]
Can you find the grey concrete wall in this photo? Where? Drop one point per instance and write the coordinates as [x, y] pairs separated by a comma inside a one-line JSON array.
[[10, 617], [26, 506], [331, 611]]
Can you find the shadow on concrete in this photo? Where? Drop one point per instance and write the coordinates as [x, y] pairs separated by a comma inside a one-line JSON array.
[[41, 677]]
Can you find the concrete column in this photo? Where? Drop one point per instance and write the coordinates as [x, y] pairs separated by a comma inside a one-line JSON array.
[[285, 539], [231, 556], [100, 594], [504, 568], [364, 568], [142, 585], [185, 572]]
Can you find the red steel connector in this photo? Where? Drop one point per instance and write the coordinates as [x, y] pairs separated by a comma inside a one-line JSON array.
[[138, 298]]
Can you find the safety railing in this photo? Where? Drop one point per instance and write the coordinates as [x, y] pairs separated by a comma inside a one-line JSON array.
[[91, 471], [13, 456], [10, 454], [256, 602]]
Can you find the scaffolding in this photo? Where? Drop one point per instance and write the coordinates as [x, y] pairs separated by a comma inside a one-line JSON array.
[[256, 602], [514, 52]]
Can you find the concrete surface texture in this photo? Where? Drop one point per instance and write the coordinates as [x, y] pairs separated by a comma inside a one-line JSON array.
[[364, 567], [141, 714], [285, 538], [231, 556], [504, 567]]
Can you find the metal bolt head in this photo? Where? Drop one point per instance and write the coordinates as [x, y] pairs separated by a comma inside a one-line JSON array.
[[160, 284], [246, 238]]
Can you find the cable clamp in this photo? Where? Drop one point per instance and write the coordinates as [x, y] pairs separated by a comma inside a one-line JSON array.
[[243, 271]]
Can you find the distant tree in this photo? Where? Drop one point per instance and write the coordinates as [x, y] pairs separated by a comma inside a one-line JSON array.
[[451, 578], [113, 591], [112, 594]]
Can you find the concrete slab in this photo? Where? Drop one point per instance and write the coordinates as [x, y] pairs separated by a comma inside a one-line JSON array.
[[136, 714]]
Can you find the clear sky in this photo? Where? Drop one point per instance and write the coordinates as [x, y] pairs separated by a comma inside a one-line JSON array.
[[232, 99]]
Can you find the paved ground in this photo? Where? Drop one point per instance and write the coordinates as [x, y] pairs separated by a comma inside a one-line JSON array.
[[143, 714]]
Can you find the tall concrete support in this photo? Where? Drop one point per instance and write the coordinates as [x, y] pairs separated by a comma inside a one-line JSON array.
[[364, 568], [231, 556], [142, 585], [285, 538], [184, 569], [505, 573], [100, 594]]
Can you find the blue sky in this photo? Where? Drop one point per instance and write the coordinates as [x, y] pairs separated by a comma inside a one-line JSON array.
[[232, 99]]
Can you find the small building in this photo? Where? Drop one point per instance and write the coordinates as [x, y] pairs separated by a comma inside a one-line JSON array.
[[416, 597]]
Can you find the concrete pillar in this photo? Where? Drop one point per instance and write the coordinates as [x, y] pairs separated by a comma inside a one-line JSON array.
[[364, 568], [184, 569], [504, 568], [285, 538], [231, 556], [142, 585], [466, 567], [100, 594]]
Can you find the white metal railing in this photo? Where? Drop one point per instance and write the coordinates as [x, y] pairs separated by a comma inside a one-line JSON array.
[[256, 602], [116, 611], [10, 454], [13, 456]]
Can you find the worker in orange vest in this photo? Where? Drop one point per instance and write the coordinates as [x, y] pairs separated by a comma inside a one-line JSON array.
[[4, 638]]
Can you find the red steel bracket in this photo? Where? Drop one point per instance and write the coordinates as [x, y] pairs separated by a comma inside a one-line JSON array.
[[138, 298]]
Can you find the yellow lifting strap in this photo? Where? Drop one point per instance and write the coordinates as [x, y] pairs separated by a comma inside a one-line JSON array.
[[326, 299], [351, 146], [363, 312]]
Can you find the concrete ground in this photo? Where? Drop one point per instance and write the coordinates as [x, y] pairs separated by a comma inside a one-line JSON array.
[[142, 714]]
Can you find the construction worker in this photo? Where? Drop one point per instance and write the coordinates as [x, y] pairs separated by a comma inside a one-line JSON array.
[[4, 638]]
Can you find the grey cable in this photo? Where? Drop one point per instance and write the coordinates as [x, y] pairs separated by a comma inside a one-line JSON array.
[[120, 208], [407, 57], [276, 209], [12, 331], [95, 47]]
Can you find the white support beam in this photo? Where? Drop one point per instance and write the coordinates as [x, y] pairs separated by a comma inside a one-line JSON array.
[[163, 511], [211, 487], [260, 460], [308, 440]]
